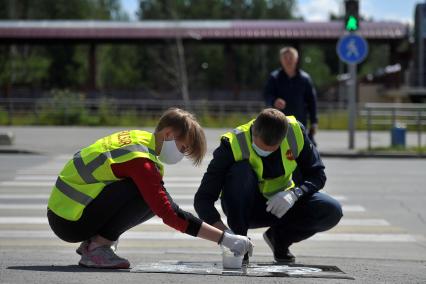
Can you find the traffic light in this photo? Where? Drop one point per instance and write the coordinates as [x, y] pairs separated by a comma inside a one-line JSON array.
[[351, 15]]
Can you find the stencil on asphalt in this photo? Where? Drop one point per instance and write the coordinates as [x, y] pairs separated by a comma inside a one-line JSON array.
[[252, 270]]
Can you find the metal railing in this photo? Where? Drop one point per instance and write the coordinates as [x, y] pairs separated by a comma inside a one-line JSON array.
[[389, 114], [15, 110], [142, 105]]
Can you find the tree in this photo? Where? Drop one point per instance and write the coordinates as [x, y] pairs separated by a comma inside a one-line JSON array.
[[57, 66], [206, 63]]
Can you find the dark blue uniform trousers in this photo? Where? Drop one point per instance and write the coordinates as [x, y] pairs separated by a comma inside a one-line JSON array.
[[245, 207]]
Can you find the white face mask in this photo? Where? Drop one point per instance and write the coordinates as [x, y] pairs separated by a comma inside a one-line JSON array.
[[170, 153], [260, 152]]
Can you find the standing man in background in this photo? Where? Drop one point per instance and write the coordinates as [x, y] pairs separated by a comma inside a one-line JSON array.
[[291, 90]]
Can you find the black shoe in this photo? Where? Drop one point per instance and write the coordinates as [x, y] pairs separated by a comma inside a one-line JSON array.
[[246, 259], [281, 255]]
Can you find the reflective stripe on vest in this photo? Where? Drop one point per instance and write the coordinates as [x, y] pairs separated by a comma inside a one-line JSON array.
[[242, 150], [85, 176], [292, 142], [85, 171], [245, 151], [72, 193]]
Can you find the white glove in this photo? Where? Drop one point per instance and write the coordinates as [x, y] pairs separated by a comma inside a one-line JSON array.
[[230, 231], [281, 202], [239, 245]]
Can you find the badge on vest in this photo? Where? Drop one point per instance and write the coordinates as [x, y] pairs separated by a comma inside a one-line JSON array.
[[289, 155]]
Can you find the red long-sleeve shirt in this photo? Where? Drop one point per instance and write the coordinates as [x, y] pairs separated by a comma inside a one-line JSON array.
[[148, 180]]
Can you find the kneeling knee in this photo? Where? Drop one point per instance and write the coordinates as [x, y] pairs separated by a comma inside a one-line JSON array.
[[333, 216]]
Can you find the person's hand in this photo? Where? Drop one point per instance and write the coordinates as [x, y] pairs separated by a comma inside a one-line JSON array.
[[281, 202], [313, 130], [279, 103], [239, 245]]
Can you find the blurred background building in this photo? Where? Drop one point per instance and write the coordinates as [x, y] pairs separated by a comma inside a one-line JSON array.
[[186, 51]]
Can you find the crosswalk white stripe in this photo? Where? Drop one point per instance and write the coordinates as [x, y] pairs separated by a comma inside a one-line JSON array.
[[23, 220], [363, 222], [379, 238], [23, 206], [24, 196], [40, 171], [26, 183], [33, 234], [158, 221], [352, 208], [35, 178], [186, 207]]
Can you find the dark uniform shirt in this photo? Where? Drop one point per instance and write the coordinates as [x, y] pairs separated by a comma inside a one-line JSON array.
[[298, 92], [310, 175]]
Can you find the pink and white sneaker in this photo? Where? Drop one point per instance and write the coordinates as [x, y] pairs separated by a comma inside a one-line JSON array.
[[102, 257]]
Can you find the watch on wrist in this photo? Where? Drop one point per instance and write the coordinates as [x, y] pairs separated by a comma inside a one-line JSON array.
[[298, 192]]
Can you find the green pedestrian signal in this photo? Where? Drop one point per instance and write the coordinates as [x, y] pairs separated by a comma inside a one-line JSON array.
[[351, 24], [351, 15]]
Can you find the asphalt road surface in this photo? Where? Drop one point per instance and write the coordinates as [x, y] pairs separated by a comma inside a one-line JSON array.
[[381, 239]]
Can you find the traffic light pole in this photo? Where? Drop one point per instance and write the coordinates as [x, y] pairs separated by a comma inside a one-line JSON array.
[[354, 51], [352, 82]]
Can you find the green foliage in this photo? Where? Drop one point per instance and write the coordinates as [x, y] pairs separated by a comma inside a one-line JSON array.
[[213, 120], [4, 117], [59, 9], [216, 9], [118, 67], [378, 57], [338, 120], [64, 108], [57, 66], [22, 66], [207, 65], [154, 67], [313, 61]]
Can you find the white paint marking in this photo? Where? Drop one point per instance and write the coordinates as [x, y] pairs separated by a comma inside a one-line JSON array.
[[353, 208], [339, 197], [26, 184], [380, 238], [35, 178], [23, 206], [24, 196], [363, 222], [39, 171], [23, 220], [182, 179]]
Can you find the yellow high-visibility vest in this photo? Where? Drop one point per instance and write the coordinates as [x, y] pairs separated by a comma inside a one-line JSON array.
[[89, 171], [291, 146]]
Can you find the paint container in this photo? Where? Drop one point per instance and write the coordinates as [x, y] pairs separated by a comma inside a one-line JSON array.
[[229, 260]]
